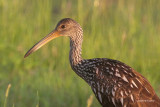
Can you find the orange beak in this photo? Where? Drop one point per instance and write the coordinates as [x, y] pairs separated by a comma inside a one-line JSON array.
[[54, 34]]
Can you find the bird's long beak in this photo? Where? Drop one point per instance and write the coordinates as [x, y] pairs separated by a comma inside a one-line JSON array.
[[54, 34]]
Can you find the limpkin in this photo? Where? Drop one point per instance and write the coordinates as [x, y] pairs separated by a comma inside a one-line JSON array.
[[114, 83]]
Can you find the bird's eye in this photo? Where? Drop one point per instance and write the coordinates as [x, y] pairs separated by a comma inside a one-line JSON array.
[[63, 26]]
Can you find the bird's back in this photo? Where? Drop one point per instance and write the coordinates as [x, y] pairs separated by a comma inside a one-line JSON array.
[[116, 84]]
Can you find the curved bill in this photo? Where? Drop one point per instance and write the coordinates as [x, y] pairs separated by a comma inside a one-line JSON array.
[[42, 42]]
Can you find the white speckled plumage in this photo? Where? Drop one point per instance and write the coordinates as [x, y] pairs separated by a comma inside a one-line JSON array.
[[102, 70]]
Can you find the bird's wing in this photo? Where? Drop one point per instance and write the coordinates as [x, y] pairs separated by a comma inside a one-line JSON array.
[[122, 85]]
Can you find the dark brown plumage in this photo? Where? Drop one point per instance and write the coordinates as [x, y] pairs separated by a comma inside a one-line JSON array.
[[114, 83]]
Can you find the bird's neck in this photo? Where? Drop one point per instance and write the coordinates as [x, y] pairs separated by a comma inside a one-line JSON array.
[[75, 50]]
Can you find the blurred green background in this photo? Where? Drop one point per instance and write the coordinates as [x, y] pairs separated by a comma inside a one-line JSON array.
[[125, 30]]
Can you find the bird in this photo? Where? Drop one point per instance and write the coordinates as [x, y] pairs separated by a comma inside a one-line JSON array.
[[114, 83]]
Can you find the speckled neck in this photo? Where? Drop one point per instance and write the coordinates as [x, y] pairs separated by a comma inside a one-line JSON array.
[[75, 48]]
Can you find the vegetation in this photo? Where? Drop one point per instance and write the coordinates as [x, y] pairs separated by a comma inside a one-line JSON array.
[[126, 30]]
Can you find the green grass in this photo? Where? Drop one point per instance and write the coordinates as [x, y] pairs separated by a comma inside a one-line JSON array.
[[125, 30]]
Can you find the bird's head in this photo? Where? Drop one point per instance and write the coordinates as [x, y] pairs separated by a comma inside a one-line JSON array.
[[65, 27]]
